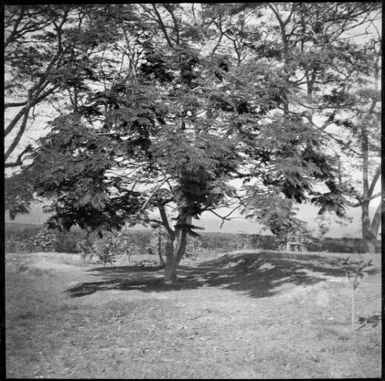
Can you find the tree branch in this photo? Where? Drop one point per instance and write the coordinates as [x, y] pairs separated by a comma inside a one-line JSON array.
[[357, 204], [14, 121], [14, 104], [374, 180], [222, 218], [162, 27], [19, 134], [19, 160], [219, 26], [14, 32], [34, 95], [176, 26], [165, 223], [339, 141], [234, 209], [152, 195]]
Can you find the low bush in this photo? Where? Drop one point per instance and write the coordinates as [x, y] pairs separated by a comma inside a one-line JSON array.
[[66, 241], [104, 249]]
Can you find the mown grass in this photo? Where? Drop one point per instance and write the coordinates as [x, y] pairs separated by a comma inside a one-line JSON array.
[[240, 316]]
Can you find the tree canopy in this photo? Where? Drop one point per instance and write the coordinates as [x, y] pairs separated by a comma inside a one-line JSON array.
[[194, 107]]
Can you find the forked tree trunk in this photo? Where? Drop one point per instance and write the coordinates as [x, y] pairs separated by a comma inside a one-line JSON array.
[[174, 255], [175, 246]]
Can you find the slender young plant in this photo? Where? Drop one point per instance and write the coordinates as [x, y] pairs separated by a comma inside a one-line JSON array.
[[354, 270]]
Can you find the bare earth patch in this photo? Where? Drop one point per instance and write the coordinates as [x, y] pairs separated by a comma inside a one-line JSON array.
[[244, 315]]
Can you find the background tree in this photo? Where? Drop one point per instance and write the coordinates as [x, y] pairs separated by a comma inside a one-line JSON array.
[[361, 123], [37, 56], [323, 51], [50, 55]]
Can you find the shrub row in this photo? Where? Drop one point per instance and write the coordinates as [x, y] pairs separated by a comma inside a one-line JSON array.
[[35, 239]]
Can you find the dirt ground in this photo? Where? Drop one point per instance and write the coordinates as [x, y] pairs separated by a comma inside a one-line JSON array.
[[244, 315]]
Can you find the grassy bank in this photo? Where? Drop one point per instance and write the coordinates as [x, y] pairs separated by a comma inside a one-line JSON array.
[[237, 316]]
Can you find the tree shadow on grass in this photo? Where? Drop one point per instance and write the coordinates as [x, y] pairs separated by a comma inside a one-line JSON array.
[[257, 274]]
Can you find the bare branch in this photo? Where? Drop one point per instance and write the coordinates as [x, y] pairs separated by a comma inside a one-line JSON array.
[[152, 195], [357, 204], [281, 23], [219, 26], [176, 26], [293, 5], [19, 160], [229, 214], [322, 130], [19, 134], [376, 176], [340, 141], [14, 33], [14, 104], [162, 26], [226, 217], [14, 121]]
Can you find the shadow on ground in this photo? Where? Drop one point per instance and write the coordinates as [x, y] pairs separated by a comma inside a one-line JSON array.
[[258, 274]]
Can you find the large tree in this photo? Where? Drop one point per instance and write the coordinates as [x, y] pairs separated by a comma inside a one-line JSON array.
[[196, 113]]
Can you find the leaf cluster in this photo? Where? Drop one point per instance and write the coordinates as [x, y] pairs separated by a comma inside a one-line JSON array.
[[354, 269]]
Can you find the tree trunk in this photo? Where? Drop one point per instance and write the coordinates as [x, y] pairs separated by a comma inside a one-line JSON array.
[[353, 317], [370, 230], [368, 238], [88, 246], [370, 246], [160, 248], [170, 273], [183, 241], [376, 221], [170, 269], [175, 243]]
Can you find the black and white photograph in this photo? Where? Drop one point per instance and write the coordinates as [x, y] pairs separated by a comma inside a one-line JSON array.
[[192, 190]]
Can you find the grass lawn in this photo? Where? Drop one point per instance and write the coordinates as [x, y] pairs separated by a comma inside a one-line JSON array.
[[244, 315]]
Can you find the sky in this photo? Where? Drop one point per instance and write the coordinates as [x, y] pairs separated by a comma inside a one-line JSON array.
[[210, 223]]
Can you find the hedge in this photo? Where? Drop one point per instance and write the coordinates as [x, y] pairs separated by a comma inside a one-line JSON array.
[[35, 239]]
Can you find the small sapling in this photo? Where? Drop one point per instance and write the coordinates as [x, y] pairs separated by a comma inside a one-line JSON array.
[[354, 270]]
